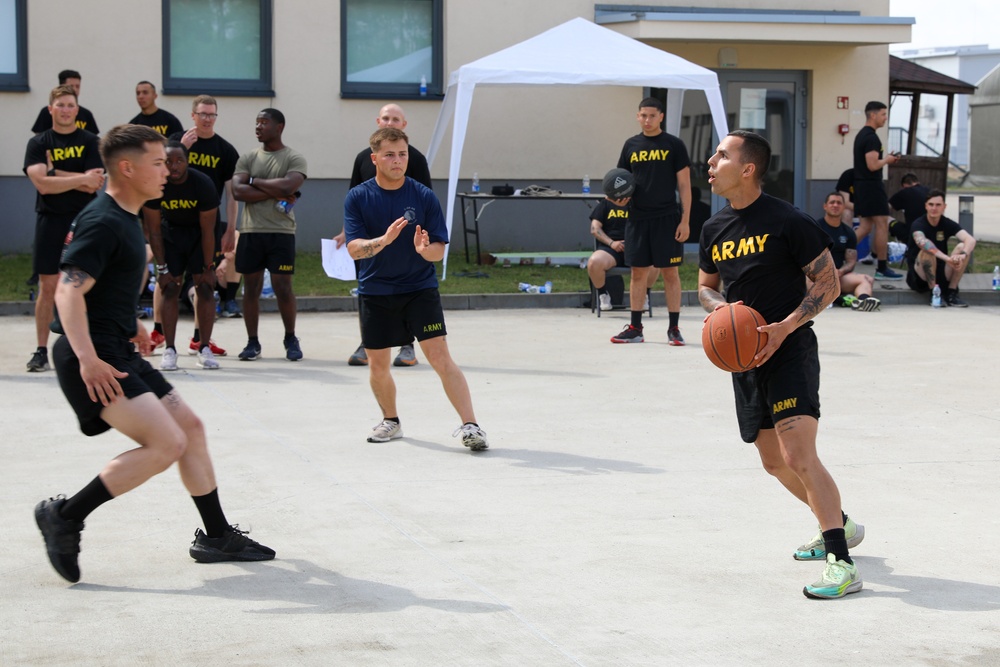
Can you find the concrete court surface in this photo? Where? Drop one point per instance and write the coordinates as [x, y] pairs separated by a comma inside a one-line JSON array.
[[616, 519]]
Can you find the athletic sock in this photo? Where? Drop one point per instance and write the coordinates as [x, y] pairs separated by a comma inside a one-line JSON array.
[[211, 513], [843, 515], [158, 327], [637, 319], [882, 266], [675, 319], [864, 296], [602, 290], [394, 420], [253, 339], [231, 290], [87, 499], [289, 336], [836, 543], [473, 423]]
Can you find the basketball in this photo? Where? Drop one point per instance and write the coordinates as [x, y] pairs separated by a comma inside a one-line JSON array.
[[618, 184], [730, 337]]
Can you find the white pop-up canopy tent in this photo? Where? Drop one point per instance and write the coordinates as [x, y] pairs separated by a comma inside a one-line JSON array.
[[576, 53]]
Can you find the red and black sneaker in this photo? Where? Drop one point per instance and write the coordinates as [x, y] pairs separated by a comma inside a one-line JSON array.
[[629, 334], [674, 336]]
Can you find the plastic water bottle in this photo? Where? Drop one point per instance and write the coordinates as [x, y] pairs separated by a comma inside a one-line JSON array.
[[936, 297], [423, 86], [586, 184], [354, 291], [267, 291], [546, 288], [524, 287], [996, 277], [475, 181]]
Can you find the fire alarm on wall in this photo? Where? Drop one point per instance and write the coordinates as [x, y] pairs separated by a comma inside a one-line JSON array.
[[843, 103]]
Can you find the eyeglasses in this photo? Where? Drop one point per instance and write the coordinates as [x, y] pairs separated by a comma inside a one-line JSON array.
[[207, 116]]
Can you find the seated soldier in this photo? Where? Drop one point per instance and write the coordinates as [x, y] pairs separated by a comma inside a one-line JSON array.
[[910, 200], [855, 288], [607, 225], [927, 258]]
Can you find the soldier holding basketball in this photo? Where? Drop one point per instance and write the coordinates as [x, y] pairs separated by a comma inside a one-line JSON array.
[[763, 250]]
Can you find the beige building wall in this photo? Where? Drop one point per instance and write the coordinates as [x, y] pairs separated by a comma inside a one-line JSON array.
[[517, 132]]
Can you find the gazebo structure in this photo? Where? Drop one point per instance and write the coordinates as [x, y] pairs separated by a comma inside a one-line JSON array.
[[913, 80]]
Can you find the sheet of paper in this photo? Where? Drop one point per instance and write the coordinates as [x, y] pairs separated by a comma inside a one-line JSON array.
[[337, 262]]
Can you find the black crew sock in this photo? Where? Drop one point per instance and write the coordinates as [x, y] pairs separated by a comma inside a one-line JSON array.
[[253, 339], [394, 420], [197, 336], [843, 514], [675, 319], [211, 513], [289, 336], [882, 266], [637, 319], [836, 544], [231, 290], [87, 499], [158, 327], [602, 290]]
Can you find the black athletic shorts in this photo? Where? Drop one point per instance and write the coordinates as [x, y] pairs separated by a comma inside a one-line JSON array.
[[396, 319], [619, 256], [50, 238], [182, 250], [786, 386], [870, 199], [121, 354], [652, 243], [257, 251]]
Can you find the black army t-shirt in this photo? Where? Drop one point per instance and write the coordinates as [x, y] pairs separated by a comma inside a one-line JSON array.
[[107, 243], [77, 151], [160, 120], [939, 234], [215, 157], [182, 203], [612, 219], [843, 238], [865, 142], [654, 161], [759, 251], [911, 201]]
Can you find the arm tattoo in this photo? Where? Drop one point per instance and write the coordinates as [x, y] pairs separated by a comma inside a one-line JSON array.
[[824, 282], [368, 248], [709, 298], [74, 276]]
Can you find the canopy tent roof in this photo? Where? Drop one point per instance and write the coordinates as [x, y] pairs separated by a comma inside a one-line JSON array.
[[575, 53]]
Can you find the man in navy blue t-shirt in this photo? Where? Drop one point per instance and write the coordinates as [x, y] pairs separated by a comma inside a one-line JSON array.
[[396, 231]]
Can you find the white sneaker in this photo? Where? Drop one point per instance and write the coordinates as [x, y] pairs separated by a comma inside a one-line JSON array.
[[473, 437], [645, 303], [207, 360], [168, 362], [605, 301], [386, 431]]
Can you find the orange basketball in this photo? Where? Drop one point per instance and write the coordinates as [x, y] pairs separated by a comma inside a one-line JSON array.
[[730, 337]]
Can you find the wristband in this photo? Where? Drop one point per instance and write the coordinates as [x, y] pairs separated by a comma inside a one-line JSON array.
[[161, 270], [251, 181]]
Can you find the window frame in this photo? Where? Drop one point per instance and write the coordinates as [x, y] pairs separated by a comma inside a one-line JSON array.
[[18, 81], [220, 87], [397, 91]]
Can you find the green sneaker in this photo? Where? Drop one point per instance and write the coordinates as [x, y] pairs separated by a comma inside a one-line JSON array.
[[816, 550], [839, 579], [847, 301]]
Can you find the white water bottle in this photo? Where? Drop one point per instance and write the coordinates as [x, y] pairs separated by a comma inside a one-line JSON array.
[[475, 181], [423, 86], [586, 184], [936, 297], [523, 287], [996, 277]]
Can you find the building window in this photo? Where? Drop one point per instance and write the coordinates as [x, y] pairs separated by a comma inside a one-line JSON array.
[[217, 47], [14, 45], [388, 46]]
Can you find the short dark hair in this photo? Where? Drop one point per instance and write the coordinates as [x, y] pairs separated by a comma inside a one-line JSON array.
[[273, 114], [755, 150], [127, 138], [175, 143], [874, 106], [652, 102], [935, 193], [834, 193], [909, 178], [148, 83], [386, 134], [67, 74]]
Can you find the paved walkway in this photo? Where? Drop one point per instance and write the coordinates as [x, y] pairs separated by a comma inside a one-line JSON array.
[[617, 519]]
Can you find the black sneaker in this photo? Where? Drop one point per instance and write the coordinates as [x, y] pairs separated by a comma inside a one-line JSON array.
[[629, 334], [952, 300], [250, 352], [234, 545], [62, 537], [674, 336], [293, 352], [39, 361]]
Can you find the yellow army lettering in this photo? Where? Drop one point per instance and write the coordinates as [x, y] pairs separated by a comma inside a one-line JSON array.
[[286, 267], [617, 214], [648, 156], [730, 249], [780, 406], [81, 125], [162, 129], [67, 153], [203, 160], [433, 327], [178, 204]]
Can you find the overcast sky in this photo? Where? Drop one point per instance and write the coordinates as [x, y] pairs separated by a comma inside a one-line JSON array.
[[949, 22]]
